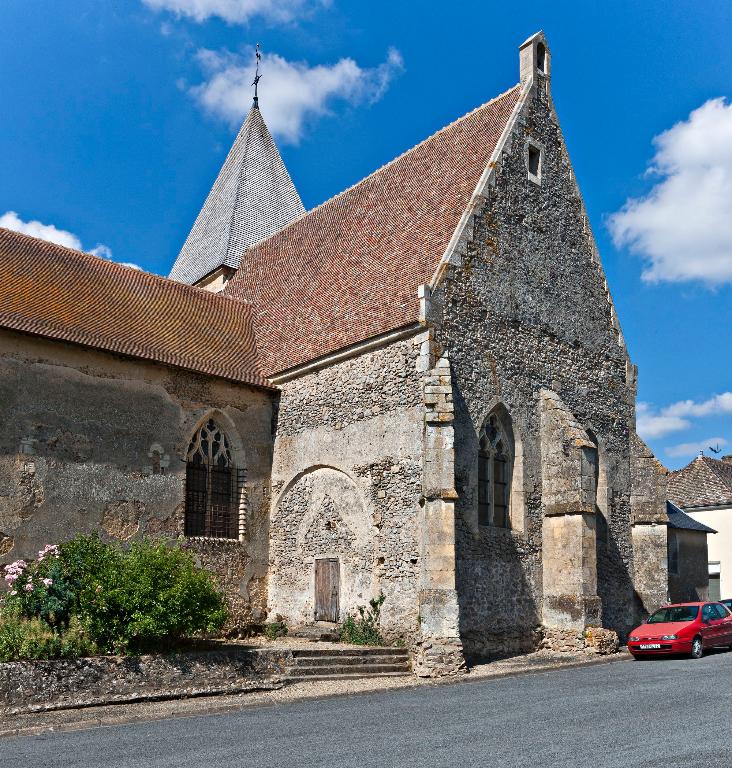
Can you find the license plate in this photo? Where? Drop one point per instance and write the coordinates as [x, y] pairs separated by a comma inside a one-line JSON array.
[[650, 646]]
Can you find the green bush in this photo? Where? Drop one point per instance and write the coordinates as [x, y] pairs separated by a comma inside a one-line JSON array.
[[275, 629], [149, 598], [363, 629], [22, 638]]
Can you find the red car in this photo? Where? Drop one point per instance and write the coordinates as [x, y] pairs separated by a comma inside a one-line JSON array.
[[688, 628]]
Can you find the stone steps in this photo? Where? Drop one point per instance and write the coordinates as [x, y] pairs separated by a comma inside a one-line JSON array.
[[348, 663], [366, 651], [342, 676], [321, 631]]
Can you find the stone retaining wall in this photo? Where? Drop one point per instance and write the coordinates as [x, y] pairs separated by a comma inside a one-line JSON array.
[[35, 686]]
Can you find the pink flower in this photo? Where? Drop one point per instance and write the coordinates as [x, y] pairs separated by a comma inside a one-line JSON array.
[[49, 549], [29, 586], [14, 592], [47, 582]]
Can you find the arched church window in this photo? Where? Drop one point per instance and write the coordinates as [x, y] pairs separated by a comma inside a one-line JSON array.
[[495, 464], [212, 488], [541, 57]]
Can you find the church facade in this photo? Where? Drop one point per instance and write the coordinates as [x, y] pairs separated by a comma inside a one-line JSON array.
[[419, 388]]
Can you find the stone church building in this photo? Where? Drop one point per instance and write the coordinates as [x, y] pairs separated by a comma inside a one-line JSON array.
[[420, 387]]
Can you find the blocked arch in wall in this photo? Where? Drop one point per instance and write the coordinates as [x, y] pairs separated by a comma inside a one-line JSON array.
[[516, 500], [215, 490], [320, 514], [309, 471]]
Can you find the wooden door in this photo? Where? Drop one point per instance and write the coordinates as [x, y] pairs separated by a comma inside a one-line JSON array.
[[327, 588]]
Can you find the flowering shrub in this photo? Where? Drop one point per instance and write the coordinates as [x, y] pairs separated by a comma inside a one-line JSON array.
[[39, 589], [150, 597]]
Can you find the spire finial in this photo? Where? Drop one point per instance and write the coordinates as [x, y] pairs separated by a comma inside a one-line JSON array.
[[257, 76]]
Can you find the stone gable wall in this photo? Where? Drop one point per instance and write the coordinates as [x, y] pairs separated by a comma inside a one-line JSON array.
[[78, 427], [346, 483], [524, 306]]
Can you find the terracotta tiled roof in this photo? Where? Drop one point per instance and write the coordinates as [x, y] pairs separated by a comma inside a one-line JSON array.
[[349, 269], [705, 482], [51, 291], [252, 197]]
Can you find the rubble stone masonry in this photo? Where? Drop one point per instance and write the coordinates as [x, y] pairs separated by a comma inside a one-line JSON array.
[[523, 309]]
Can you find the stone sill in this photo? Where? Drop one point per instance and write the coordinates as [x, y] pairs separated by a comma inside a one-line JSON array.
[[213, 540]]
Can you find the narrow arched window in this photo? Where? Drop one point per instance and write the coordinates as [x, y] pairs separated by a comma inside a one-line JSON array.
[[541, 57], [212, 504], [495, 464]]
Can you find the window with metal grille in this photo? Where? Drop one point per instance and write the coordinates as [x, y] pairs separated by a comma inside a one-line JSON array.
[[213, 485], [494, 474]]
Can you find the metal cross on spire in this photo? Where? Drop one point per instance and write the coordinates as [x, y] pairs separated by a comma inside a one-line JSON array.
[[257, 76]]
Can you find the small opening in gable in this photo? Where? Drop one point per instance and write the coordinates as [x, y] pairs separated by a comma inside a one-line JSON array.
[[534, 161], [541, 57]]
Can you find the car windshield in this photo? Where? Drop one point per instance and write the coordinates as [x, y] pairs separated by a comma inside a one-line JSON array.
[[674, 613]]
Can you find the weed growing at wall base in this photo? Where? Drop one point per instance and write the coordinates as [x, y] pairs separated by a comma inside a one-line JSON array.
[[363, 629]]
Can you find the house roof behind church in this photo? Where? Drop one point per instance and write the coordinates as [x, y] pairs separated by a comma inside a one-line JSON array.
[[678, 519], [252, 197], [705, 482], [59, 293], [350, 269]]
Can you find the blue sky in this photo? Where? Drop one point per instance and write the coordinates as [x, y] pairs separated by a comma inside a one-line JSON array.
[[117, 115]]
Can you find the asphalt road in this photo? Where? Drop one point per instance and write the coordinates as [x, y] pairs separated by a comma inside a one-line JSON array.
[[650, 714]]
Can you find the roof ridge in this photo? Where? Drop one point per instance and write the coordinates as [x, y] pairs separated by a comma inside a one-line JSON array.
[[391, 162], [112, 265], [240, 177]]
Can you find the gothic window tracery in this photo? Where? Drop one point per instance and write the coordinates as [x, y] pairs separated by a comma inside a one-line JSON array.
[[212, 487], [494, 474]]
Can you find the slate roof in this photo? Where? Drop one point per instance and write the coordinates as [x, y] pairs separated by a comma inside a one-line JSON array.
[[252, 197], [51, 291], [705, 482], [678, 519], [350, 269]]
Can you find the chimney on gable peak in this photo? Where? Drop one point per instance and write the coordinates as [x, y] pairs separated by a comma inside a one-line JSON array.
[[535, 61]]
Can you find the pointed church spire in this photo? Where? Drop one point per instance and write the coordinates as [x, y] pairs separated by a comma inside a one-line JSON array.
[[252, 198]]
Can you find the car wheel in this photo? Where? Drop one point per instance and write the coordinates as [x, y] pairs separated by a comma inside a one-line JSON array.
[[696, 648]]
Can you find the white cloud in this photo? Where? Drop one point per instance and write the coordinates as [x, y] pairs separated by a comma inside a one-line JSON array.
[[652, 423], [291, 92], [683, 227], [692, 449], [11, 220], [716, 405], [52, 234], [238, 11]]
